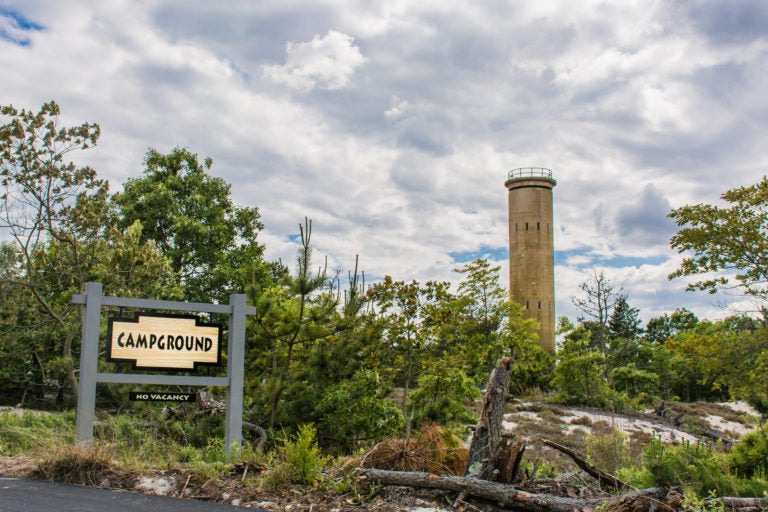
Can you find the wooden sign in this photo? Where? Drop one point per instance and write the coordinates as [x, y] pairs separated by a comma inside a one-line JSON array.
[[164, 342]]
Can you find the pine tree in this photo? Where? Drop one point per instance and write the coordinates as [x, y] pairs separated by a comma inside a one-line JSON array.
[[624, 321]]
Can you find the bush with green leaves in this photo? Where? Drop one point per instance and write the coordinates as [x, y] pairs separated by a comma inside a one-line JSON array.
[[635, 382], [700, 470], [578, 377], [609, 451], [356, 411], [440, 397], [750, 453], [299, 460]]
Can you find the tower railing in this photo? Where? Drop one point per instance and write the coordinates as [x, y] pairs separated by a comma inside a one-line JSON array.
[[526, 172]]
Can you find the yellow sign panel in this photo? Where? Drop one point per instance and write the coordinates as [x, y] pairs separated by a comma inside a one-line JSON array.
[[164, 342]]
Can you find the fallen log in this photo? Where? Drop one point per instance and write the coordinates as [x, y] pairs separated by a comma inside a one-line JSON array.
[[657, 499], [740, 504], [604, 478]]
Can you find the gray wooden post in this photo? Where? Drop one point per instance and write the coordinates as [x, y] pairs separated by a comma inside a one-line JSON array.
[[235, 370], [89, 361]]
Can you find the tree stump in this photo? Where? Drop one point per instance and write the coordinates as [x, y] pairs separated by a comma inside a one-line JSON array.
[[485, 442]]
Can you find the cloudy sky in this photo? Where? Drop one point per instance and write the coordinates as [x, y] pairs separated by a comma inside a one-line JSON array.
[[392, 124]]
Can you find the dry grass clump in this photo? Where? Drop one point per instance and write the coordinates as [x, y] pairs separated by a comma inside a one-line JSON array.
[[17, 467], [581, 420], [436, 450], [79, 465]]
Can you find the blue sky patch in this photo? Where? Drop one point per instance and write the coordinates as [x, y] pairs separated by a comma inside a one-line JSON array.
[[594, 261], [491, 253], [632, 261], [14, 25]]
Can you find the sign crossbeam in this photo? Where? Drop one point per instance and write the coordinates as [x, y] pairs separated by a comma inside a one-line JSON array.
[[165, 380], [89, 375], [174, 305]]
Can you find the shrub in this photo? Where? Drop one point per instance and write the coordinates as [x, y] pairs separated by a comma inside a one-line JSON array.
[[694, 467], [579, 379], [440, 397], [609, 452], [635, 383], [355, 411], [300, 460], [750, 453]]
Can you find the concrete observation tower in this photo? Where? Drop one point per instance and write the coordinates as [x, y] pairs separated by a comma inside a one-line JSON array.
[[531, 247]]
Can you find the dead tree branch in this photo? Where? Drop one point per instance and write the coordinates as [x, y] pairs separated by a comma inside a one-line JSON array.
[[603, 477]]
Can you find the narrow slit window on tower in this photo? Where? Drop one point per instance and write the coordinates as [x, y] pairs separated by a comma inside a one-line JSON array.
[[526, 226], [539, 304], [538, 226], [527, 305], [515, 228]]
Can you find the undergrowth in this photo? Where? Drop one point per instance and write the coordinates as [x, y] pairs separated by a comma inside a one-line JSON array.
[[130, 443], [34, 432]]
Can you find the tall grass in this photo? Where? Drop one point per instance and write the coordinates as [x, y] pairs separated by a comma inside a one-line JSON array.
[[32, 432]]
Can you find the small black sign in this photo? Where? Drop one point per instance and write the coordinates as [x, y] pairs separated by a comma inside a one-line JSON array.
[[161, 396]]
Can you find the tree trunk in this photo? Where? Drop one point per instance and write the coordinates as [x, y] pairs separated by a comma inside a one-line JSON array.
[[485, 441], [507, 460]]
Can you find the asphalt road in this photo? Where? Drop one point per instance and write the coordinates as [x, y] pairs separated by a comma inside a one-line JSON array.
[[20, 495]]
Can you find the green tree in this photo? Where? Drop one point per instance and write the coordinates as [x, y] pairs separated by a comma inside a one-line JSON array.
[[58, 217], [733, 354], [662, 328], [441, 394], [341, 364], [579, 375], [703, 374], [624, 321], [532, 367], [404, 310], [191, 217], [674, 370], [293, 314], [578, 378], [486, 308], [730, 242], [635, 382], [46, 200], [22, 371]]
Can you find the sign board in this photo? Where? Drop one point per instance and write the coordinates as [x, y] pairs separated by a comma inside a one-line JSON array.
[[161, 396], [144, 345], [164, 342]]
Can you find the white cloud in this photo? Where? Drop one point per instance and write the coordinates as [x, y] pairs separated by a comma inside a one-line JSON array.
[[637, 107], [326, 62]]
